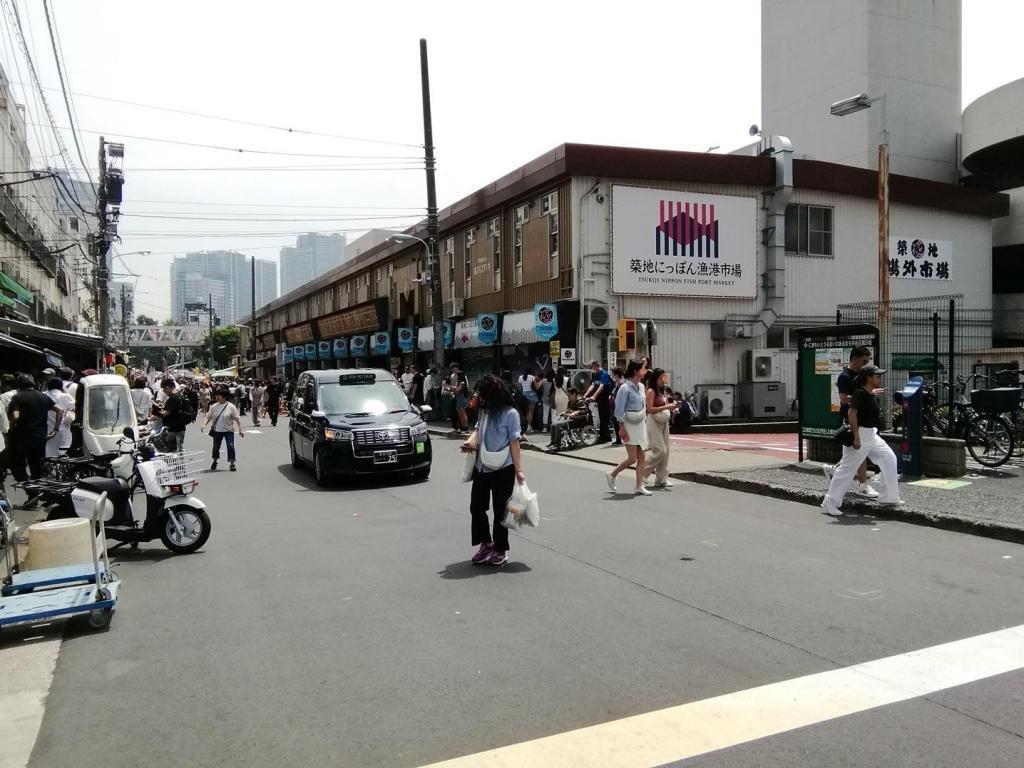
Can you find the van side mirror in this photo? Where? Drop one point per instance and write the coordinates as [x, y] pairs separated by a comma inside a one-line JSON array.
[[425, 409], [318, 415]]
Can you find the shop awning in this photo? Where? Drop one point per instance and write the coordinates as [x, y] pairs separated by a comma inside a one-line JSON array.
[[467, 334], [21, 293], [518, 328], [12, 343], [7, 301], [916, 363], [425, 339]]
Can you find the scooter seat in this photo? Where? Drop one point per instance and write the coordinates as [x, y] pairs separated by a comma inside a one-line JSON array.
[[114, 488]]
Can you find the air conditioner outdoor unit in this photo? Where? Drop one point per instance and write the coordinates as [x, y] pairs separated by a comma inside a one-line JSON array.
[[719, 402], [579, 378], [763, 365], [600, 317], [455, 308]]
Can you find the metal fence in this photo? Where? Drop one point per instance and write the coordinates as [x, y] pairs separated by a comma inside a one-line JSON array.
[[939, 339]]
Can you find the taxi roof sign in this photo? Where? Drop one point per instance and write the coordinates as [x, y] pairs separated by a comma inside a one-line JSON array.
[[357, 378]]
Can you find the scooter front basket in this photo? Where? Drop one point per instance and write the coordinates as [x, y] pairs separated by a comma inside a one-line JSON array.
[[178, 468]]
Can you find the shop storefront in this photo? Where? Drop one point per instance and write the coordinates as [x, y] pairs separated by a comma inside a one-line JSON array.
[[37, 345], [537, 338]]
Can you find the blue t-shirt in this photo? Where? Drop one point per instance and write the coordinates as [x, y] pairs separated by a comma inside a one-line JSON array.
[[602, 377], [499, 432], [844, 383]]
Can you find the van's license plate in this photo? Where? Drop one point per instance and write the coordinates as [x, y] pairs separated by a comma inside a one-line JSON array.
[[385, 457]]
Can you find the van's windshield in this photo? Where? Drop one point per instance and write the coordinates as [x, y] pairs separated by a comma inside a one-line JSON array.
[[108, 409]]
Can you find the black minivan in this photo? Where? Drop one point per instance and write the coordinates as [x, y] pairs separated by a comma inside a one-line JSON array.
[[355, 422]]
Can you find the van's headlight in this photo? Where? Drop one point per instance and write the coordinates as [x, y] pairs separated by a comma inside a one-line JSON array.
[[419, 429], [337, 434]]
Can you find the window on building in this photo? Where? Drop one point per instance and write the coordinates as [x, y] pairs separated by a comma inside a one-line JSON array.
[[522, 216], [449, 259], [553, 244], [809, 230], [549, 203], [494, 234], [73, 221], [467, 260]]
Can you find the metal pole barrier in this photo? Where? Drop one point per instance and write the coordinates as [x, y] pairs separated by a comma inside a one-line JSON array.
[[935, 348], [952, 364]]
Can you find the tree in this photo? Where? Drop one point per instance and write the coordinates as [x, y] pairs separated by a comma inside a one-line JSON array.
[[145, 320], [225, 343], [170, 321]]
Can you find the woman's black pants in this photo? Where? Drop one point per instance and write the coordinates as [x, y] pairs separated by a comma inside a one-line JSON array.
[[491, 488]]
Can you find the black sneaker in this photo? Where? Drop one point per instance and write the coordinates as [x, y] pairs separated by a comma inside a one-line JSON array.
[[213, 466], [232, 467]]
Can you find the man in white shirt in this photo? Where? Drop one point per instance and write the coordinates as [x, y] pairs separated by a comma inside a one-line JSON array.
[[407, 378]]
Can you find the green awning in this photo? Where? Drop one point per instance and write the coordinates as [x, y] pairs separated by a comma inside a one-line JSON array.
[[7, 301], [21, 293], [915, 363]]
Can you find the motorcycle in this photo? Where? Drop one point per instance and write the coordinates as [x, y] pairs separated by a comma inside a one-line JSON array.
[[173, 514]]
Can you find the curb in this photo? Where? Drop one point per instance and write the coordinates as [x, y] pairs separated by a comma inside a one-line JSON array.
[[915, 516]]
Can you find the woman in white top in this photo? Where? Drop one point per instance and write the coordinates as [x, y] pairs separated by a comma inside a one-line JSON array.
[[142, 399], [529, 398], [225, 420], [561, 396], [61, 432]]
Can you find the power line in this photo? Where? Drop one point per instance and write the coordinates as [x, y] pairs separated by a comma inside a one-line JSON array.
[[12, 7], [64, 90], [284, 169], [285, 205], [238, 150], [270, 218], [251, 123]]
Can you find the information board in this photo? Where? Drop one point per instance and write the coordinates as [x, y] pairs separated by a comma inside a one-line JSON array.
[[822, 355]]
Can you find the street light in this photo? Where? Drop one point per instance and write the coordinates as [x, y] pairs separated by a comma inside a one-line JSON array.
[[432, 286], [425, 277], [846, 107]]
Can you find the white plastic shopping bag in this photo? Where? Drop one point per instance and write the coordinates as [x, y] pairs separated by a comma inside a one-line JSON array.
[[468, 466], [522, 508]]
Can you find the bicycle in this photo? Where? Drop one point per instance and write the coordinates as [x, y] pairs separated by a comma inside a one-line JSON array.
[[989, 436]]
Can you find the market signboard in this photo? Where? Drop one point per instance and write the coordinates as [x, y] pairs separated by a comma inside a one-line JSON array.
[[668, 242], [822, 355], [920, 258]]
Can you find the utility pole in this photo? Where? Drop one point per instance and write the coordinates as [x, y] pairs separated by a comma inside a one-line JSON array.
[[124, 323], [433, 265], [101, 244]]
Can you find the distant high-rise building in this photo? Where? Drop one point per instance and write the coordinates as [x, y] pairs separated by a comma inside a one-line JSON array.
[[266, 285], [312, 255], [222, 275]]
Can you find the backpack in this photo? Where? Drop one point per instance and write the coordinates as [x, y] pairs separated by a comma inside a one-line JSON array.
[[188, 415]]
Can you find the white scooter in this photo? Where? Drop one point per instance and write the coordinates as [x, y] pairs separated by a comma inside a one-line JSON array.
[[173, 514]]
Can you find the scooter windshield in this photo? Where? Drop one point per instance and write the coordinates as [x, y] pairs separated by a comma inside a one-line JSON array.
[[108, 410]]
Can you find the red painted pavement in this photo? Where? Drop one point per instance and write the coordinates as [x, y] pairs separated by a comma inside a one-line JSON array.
[[782, 446]]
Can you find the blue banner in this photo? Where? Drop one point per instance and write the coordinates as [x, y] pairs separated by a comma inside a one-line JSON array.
[[311, 351], [545, 321], [487, 328], [323, 349], [286, 355], [449, 334], [340, 348], [406, 339], [299, 353], [381, 343], [357, 346]]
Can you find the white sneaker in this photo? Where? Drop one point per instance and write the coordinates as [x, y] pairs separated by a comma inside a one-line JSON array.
[[641, 491], [664, 484], [830, 508], [611, 482], [897, 503], [829, 470], [865, 489]]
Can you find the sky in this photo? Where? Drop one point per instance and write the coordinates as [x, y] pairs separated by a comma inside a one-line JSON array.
[[508, 83]]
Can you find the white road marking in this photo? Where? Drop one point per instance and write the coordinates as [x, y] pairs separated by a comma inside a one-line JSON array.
[[681, 732], [253, 432], [27, 674]]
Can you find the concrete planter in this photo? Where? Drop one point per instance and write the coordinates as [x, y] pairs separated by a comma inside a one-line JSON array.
[[941, 457]]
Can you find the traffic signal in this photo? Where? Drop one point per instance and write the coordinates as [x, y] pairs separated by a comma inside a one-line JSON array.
[[627, 335]]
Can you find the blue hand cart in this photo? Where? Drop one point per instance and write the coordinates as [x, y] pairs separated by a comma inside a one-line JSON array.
[[84, 589]]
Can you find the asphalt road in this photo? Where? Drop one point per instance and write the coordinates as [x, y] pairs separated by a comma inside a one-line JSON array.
[[346, 627]]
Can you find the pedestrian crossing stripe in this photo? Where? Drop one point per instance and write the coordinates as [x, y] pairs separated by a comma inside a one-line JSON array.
[[677, 733]]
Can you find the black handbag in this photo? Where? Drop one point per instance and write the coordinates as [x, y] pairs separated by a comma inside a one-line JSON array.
[[844, 435]]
